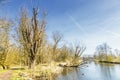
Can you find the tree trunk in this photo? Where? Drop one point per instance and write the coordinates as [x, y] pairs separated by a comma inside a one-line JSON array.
[[7, 67], [3, 66], [32, 63]]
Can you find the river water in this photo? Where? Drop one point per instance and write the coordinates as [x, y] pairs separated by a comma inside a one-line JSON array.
[[92, 71]]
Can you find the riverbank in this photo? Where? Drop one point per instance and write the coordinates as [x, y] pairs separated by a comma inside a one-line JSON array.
[[41, 72], [114, 61], [110, 62]]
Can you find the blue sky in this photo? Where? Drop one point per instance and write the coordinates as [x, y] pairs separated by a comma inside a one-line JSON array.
[[90, 22]]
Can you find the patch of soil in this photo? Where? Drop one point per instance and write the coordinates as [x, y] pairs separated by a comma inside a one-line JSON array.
[[6, 75]]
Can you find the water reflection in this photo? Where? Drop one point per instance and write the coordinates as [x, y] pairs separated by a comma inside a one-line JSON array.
[[92, 71], [106, 71]]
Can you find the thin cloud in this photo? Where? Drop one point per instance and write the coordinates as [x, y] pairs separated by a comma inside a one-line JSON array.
[[113, 34], [4, 1], [77, 24]]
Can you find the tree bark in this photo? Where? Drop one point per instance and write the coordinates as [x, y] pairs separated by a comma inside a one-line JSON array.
[[3, 67], [32, 63]]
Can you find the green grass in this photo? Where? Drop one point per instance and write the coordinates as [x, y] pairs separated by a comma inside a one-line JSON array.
[[2, 71]]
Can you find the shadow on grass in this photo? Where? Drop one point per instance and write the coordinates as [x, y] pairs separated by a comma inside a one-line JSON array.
[[17, 69]]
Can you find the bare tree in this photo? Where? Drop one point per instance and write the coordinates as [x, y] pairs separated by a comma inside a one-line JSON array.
[[79, 50], [103, 51], [32, 33], [57, 37]]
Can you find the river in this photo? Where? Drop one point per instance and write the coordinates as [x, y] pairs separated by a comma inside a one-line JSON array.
[[92, 71]]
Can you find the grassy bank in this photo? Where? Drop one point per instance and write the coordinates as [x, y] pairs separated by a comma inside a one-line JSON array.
[[109, 59], [41, 72]]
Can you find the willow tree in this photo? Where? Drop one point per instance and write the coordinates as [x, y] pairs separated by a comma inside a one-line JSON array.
[[4, 40], [32, 35], [79, 50]]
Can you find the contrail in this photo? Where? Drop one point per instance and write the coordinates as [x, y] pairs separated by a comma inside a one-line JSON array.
[[77, 24], [111, 32], [83, 30]]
